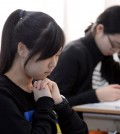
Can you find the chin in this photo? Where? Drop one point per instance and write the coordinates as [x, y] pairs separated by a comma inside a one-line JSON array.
[[108, 54], [42, 78]]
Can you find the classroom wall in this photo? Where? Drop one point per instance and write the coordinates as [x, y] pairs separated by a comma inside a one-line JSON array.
[[79, 14], [72, 15], [111, 2]]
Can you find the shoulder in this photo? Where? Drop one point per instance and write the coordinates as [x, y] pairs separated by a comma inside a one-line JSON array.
[[5, 92], [73, 48]]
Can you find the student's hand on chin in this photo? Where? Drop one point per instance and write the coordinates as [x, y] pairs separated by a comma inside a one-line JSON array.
[[53, 89], [39, 91]]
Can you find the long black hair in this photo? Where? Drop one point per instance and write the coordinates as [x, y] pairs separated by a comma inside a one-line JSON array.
[[110, 19], [37, 30]]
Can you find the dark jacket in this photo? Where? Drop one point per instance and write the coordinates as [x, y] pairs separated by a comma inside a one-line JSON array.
[[110, 70]]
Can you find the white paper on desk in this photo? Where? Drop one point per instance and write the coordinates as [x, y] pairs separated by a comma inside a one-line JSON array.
[[114, 104], [103, 105]]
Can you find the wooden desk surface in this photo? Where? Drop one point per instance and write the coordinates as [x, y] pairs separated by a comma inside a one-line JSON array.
[[102, 109], [102, 116]]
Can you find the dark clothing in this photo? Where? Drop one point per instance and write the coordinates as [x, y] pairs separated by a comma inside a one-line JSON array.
[[74, 70], [20, 114], [110, 70]]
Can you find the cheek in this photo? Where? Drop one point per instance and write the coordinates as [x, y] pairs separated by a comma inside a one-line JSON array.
[[105, 48], [32, 69], [108, 51], [37, 70], [33, 72]]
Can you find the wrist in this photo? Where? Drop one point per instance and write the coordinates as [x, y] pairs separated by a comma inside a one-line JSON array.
[[60, 105], [58, 100], [98, 94]]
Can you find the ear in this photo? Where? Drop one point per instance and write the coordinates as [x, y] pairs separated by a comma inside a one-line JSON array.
[[99, 28], [22, 50]]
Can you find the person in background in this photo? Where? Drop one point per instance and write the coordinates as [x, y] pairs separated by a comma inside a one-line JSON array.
[[76, 64], [106, 70], [30, 48]]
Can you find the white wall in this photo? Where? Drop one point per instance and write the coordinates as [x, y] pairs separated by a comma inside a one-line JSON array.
[[80, 14], [72, 15], [55, 8], [109, 3]]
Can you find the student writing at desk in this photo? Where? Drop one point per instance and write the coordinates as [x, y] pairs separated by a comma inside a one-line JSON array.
[[74, 71]]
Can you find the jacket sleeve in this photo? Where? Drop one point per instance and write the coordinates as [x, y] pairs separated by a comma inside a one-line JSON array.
[[66, 73], [111, 70], [70, 122], [12, 120]]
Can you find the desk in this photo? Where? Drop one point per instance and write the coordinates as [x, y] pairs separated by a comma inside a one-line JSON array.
[[101, 116]]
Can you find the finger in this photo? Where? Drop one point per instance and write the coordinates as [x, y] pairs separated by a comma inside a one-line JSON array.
[[54, 85], [37, 84], [50, 86], [45, 82]]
